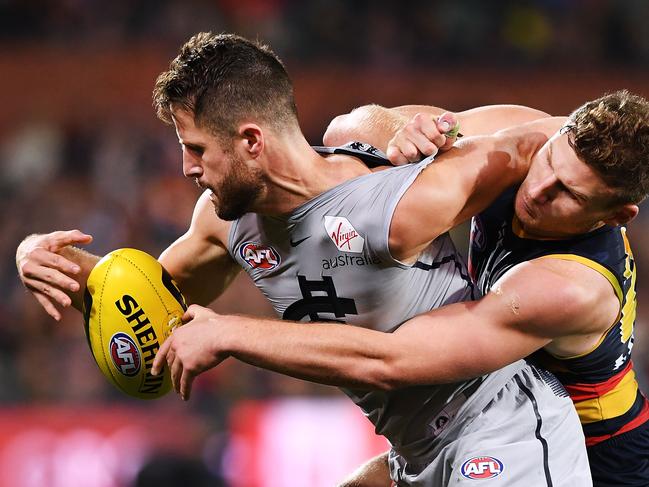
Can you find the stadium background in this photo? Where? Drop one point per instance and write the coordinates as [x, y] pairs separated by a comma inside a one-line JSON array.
[[80, 147]]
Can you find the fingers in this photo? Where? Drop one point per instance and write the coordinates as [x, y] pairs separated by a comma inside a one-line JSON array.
[[181, 377], [48, 306], [166, 354], [422, 137], [450, 127], [195, 311], [187, 351], [395, 155], [190, 313], [186, 381], [46, 273], [410, 144], [161, 356], [58, 240], [50, 268], [52, 293], [176, 368]]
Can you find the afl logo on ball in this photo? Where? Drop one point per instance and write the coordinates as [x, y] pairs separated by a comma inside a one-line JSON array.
[[259, 256], [479, 468], [125, 354]]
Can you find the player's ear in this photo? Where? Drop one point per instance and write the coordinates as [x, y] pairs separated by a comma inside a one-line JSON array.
[[623, 215], [252, 139]]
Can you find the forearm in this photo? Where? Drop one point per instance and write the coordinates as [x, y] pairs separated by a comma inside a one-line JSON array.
[[372, 124], [374, 473], [376, 125], [327, 353], [428, 349]]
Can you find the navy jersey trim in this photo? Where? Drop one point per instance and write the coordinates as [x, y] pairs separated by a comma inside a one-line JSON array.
[[370, 155], [458, 265]]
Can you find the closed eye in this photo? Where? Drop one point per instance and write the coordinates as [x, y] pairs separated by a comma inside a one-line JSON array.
[[195, 149], [572, 194]]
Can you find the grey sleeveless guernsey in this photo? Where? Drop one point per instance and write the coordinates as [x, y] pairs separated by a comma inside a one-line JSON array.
[[329, 261]]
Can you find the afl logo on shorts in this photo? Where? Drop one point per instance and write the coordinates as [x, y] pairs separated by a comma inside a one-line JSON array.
[[125, 354], [479, 468], [259, 256], [478, 239]]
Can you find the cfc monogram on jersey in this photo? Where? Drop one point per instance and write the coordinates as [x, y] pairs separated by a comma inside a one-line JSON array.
[[329, 260]]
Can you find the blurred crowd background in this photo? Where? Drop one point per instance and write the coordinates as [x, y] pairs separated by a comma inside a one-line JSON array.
[[80, 147]]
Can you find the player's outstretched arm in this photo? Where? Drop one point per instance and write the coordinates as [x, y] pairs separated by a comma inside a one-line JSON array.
[[377, 125], [452, 343], [54, 270]]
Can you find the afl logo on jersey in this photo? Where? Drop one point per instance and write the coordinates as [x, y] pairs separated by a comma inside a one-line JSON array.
[[125, 355], [259, 256], [478, 238], [479, 468]]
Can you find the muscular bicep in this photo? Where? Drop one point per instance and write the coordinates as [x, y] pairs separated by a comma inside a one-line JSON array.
[[464, 340], [464, 181], [529, 308], [490, 119], [198, 260], [459, 184]]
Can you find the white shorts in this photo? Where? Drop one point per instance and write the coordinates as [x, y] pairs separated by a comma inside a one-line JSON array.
[[529, 435]]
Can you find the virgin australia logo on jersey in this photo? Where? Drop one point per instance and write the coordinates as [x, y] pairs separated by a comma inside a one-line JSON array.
[[343, 234]]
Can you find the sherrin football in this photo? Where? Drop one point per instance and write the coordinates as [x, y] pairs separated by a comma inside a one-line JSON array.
[[131, 305]]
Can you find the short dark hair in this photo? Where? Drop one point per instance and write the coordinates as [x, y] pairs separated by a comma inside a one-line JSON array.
[[611, 135], [223, 79]]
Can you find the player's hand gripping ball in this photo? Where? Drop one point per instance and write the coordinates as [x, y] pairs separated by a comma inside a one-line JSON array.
[[131, 305]]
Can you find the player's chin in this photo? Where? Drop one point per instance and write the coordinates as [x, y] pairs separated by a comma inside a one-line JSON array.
[[230, 213]]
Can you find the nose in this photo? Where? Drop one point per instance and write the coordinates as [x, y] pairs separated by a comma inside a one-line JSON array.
[[544, 189], [191, 166]]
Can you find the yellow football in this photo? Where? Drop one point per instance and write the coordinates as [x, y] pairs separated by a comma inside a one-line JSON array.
[[131, 305]]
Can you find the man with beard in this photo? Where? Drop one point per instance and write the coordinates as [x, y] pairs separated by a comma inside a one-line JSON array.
[[286, 214]]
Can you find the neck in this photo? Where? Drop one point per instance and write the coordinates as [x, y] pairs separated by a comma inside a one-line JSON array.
[[295, 173]]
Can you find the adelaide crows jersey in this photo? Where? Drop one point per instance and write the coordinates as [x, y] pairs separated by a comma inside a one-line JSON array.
[[602, 381]]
